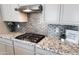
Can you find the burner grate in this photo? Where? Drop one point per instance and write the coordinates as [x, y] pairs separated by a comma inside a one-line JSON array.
[[31, 37]]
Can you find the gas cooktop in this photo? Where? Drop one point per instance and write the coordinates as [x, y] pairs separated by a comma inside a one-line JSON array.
[[32, 37]]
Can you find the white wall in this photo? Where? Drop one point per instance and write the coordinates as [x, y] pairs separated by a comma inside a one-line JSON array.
[[3, 28]]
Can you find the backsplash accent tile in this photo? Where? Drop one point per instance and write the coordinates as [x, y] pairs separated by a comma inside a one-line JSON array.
[[56, 30], [71, 27]]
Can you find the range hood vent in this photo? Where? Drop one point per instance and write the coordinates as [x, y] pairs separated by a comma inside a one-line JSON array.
[[29, 8]]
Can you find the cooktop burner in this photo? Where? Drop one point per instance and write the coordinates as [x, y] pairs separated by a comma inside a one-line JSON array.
[[31, 37]]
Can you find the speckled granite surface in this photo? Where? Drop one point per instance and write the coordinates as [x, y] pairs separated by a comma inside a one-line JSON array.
[[51, 44], [59, 47], [10, 34]]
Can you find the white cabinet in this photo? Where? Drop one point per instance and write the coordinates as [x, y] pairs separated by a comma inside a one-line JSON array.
[[70, 14], [9, 50], [6, 46], [23, 48], [23, 51], [40, 51], [9, 13], [52, 13], [2, 49]]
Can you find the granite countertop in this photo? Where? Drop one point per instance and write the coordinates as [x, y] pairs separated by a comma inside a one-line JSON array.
[[59, 47], [51, 44], [10, 34]]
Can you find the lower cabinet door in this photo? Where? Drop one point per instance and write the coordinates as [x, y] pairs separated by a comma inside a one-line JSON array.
[[23, 51], [2, 49], [41, 51], [9, 50]]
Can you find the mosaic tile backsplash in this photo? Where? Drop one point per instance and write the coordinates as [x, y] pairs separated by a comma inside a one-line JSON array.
[[36, 24]]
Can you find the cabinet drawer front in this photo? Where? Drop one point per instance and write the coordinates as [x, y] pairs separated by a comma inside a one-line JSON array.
[[5, 40], [44, 52], [24, 45]]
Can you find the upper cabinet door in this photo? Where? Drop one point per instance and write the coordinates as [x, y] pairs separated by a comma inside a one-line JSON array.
[[9, 13], [70, 14], [52, 13]]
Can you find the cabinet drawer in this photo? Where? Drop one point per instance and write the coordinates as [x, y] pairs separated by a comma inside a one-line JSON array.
[[6, 41], [44, 52], [23, 44]]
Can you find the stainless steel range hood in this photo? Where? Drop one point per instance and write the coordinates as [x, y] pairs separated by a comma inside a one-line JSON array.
[[30, 8]]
